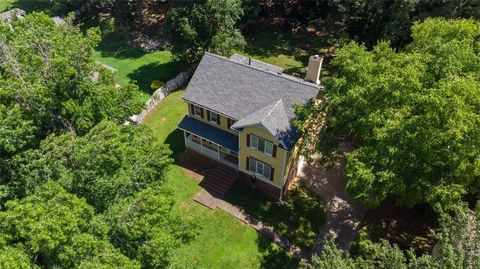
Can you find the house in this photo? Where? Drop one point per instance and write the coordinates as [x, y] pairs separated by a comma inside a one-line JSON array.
[[239, 113]]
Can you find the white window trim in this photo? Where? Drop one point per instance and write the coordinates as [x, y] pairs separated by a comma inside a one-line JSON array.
[[211, 116], [195, 111], [264, 165], [269, 153], [254, 145]]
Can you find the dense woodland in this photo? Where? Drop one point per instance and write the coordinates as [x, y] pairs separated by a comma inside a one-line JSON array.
[[78, 189]]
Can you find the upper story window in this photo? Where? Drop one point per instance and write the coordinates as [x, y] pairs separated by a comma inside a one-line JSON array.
[[197, 111], [213, 117], [262, 145]]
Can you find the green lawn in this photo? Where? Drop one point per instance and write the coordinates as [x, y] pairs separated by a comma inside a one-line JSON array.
[[223, 241], [299, 218], [27, 5], [4, 5], [287, 50], [135, 65]]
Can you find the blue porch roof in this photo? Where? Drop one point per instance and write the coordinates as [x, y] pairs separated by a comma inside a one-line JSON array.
[[207, 131]]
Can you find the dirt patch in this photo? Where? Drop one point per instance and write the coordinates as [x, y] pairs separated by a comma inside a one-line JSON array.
[[406, 227], [192, 174]]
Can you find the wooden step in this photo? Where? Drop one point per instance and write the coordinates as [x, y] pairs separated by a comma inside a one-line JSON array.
[[220, 180]]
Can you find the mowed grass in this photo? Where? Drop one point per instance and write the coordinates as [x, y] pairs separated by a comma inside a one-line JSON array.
[[223, 241], [135, 65]]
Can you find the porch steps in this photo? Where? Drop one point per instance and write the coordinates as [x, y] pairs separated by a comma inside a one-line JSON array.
[[220, 180]]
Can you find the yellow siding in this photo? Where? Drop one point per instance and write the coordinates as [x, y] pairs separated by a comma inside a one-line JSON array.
[[223, 120], [278, 162], [292, 162]]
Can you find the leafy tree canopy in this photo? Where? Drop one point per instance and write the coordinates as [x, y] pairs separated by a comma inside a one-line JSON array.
[[107, 164], [414, 115], [457, 247], [196, 27], [144, 227], [54, 228], [48, 83]]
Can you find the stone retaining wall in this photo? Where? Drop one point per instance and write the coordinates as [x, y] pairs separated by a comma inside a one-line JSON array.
[[159, 94]]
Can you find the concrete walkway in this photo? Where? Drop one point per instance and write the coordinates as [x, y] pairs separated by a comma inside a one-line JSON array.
[[343, 214]]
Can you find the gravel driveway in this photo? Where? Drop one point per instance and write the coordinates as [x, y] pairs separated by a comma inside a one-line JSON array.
[[343, 214]]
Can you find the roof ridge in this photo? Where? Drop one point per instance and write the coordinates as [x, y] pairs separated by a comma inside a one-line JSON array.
[[296, 80], [271, 110]]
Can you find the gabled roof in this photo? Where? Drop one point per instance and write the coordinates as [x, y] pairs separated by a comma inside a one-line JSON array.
[[274, 119], [257, 93], [237, 90]]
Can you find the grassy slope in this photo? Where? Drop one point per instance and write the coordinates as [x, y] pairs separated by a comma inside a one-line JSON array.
[[223, 241]]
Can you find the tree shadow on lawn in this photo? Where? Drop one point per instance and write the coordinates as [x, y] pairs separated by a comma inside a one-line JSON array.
[[175, 140], [115, 45], [272, 41], [299, 218], [274, 258], [48, 7], [145, 74]]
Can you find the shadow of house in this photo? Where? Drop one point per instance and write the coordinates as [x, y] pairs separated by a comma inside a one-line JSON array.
[[145, 74]]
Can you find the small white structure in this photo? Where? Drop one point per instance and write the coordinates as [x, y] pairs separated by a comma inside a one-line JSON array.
[[314, 68], [12, 14]]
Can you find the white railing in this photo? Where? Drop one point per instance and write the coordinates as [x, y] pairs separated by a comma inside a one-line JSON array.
[[213, 154], [193, 145]]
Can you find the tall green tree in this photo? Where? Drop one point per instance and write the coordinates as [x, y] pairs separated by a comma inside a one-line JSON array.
[[413, 114], [107, 164], [145, 228], [369, 21], [210, 25], [53, 228], [49, 83], [458, 246]]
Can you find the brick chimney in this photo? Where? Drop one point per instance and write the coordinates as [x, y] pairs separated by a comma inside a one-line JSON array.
[[313, 70]]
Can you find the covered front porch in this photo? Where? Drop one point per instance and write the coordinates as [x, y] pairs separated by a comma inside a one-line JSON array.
[[210, 141]]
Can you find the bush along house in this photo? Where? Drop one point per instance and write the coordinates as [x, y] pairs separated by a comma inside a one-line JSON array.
[[239, 121]]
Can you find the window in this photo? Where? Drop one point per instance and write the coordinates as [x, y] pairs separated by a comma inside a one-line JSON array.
[[254, 142], [261, 144], [259, 168], [213, 117], [197, 111]]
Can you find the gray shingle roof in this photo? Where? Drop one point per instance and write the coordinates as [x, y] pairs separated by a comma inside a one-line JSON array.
[[273, 118], [252, 62], [248, 93]]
